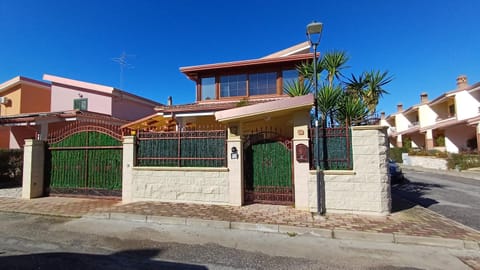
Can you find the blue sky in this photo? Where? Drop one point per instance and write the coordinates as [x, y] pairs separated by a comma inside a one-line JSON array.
[[424, 44]]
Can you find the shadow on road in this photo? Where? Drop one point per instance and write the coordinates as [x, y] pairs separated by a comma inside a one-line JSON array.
[[406, 195], [130, 259]]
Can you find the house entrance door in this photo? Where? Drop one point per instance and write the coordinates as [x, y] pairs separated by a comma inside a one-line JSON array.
[[268, 169]]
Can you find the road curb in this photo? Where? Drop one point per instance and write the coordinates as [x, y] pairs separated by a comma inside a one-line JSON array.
[[429, 241], [357, 235], [259, 227], [339, 234]]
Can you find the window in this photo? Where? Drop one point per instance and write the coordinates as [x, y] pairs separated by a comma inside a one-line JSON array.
[[262, 83], [80, 104], [451, 110], [233, 85], [289, 77], [208, 88]]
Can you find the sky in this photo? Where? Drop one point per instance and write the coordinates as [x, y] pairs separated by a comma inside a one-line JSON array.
[[423, 44]]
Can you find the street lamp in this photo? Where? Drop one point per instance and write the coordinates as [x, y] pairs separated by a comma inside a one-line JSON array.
[[314, 32]]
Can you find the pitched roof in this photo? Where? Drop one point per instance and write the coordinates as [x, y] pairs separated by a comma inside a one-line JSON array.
[[283, 105], [98, 88], [76, 114], [290, 55], [301, 48], [22, 80]]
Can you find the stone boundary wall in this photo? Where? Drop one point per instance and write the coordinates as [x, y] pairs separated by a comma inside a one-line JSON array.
[[425, 162], [189, 185], [366, 188]]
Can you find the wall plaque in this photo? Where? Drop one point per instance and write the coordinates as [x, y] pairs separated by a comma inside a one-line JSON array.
[[301, 151]]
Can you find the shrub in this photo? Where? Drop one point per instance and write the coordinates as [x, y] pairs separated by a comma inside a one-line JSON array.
[[428, 153], [463, 161], [11, 164], [395, 154], [440, 141]]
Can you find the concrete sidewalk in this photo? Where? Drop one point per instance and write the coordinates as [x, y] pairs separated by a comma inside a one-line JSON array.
[[409, 224]]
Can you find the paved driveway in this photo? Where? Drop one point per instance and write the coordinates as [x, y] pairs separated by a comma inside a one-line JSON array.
[[455, 197]]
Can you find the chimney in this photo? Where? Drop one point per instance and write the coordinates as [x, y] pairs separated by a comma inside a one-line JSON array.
[[424, 98], [170, 101], [462, 81], [399, 107], [382, 115]]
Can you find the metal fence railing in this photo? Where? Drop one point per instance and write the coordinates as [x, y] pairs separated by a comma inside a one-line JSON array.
[[199, 148], [335, 148]]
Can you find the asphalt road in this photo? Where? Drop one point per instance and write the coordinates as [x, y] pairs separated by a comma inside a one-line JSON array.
[[39, 242], [457, 198]]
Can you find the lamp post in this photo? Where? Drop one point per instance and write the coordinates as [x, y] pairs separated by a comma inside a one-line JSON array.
[[314, 32]]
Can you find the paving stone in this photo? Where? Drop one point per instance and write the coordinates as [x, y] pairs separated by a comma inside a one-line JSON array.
[[413, 221]]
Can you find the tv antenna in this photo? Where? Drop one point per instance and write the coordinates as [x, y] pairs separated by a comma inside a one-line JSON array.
[[122, 62]]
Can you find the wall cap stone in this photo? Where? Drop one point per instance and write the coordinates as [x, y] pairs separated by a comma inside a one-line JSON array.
[[334, 172], [183, 169], [370, 127]]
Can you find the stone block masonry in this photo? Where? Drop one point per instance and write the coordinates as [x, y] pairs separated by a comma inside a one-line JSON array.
[[366, 188], [167, 184]]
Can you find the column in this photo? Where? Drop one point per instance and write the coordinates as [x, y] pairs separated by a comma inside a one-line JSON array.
[[127, 171], [478, 137], [399, 141], [33, 169], [429, 139], [301, 165], [235, 165]]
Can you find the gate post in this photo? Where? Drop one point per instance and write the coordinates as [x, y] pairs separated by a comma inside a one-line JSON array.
[[235, 166], [33, 169], [129, 158], [301, 165]]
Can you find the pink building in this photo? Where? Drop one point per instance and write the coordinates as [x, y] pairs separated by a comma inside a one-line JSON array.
[[66, 100]]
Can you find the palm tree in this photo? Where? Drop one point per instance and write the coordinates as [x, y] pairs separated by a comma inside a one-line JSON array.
[[297, 88], [334, 62], [328, 100], [351, 110], [355, 86], [374, 90]]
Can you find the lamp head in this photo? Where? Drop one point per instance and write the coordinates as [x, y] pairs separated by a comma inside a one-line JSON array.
[[314, 31]]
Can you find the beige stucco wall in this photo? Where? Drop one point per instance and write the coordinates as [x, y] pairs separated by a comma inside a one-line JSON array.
[[191, 185], [366, 188]]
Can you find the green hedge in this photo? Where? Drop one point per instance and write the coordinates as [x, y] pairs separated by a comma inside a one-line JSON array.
[[395, 153], [463, 161], [11, 164]]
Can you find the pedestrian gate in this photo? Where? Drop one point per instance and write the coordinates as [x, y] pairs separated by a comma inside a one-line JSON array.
[[85, 160], [268, 169]]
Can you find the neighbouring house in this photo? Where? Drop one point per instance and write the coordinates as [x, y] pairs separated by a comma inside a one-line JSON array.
[[21, 96], [36, 109], [448, 123]]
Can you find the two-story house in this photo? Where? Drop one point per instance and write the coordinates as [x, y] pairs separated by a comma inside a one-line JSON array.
[[448, 122], [222, 86], [65, 100]]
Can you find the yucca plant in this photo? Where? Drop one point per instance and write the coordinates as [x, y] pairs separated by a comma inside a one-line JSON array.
[[297, 88]]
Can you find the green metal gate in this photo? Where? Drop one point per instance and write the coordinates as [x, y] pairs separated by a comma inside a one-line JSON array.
[[268, 169], [86, 160]]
